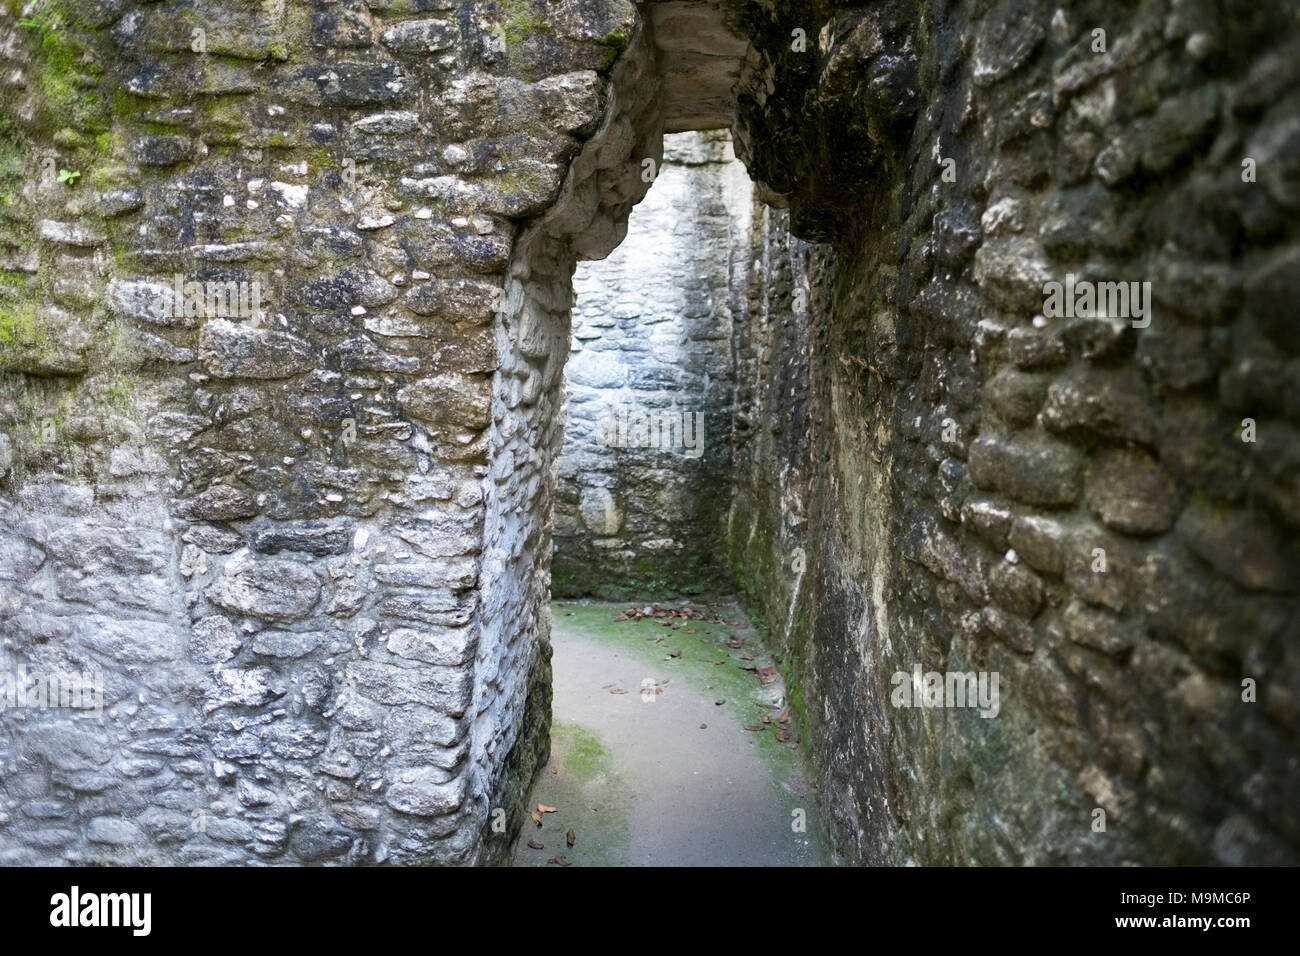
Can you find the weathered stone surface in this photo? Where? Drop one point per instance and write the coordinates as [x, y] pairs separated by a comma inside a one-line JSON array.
[[1106, 404], [1241, 547], [459, 400], [214, 640], [444, 689], [231, 350], [444, 646], [1034, 160], [113, 831], [1016, 588], [313, 537], [128, 641], [218, 503], [266, 588], [1129, 492], [456, 300], [313, 842], [1036, 470], [73, 747], [288, 644], [420, 36]]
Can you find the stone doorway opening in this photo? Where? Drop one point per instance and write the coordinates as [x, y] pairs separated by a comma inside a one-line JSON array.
[[644, 474], [650, 504], [671, 738]]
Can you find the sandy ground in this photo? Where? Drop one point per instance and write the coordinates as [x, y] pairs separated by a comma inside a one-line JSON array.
[[669, 778]]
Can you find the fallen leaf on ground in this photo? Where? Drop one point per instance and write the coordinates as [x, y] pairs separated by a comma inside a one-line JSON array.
[[785, 715], [537, 818], [767, 719], [569, 837], [753, 726], [543, 808], [536, 846], [618, 690], [558, 859], [675, 654], [719, 702], [746, 657]]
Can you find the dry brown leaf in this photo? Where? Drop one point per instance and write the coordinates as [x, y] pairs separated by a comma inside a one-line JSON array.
[[558, 859], [753, 727], [785, 715], [618, 690], [570, 837], [537, 818], [675, 654], [543, 808], [536, 846]]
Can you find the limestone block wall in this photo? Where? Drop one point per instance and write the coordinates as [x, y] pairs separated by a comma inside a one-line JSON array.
[[766, 530], [267, 522], [646, 467], [1101, 507]]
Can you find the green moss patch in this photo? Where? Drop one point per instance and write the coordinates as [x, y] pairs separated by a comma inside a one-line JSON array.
[[588, 798]]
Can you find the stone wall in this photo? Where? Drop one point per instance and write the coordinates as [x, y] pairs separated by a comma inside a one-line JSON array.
[[976, 485], [646, 468], [304, 542], [766, 527]]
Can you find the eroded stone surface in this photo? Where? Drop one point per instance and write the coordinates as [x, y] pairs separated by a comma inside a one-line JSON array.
[[979, 484]]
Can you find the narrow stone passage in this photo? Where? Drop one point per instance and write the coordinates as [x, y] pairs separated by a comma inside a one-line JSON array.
[[665, 773], [958, 339]]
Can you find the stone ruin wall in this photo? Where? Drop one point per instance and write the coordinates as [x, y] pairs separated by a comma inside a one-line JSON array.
[[306, 548], [962, 457], [652, 335]]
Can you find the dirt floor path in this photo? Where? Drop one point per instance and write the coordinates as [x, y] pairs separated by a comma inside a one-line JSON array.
[[651, 764]]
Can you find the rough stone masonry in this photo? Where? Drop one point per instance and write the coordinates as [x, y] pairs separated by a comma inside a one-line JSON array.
[[645, 472], [307, 542]]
